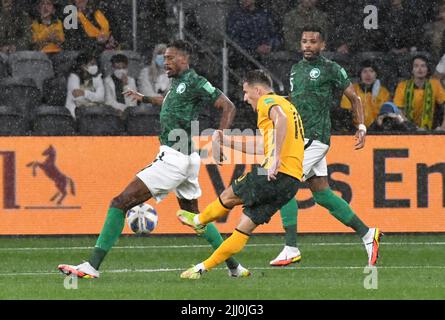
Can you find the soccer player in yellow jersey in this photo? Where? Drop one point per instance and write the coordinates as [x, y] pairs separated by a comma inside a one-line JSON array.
[[265, 189]]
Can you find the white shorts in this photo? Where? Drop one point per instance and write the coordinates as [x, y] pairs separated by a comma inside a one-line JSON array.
[[314, 162], [172, 171]]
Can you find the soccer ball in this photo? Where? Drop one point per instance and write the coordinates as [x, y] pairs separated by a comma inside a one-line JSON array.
[[142, 219]]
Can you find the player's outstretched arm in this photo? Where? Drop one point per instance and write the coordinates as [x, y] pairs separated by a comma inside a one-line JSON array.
[[250, 147], [358, 114], [228, 111], [157, 101], [219, 140]]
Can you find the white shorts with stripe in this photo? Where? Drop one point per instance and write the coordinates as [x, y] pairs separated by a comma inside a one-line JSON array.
[[172, 171], [314, 162]]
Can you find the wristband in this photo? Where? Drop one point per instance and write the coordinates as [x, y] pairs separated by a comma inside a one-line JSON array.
[[362, 127]]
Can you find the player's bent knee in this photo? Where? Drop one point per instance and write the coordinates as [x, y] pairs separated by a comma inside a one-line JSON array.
[[117, 202], [122, 202], [229, 199]]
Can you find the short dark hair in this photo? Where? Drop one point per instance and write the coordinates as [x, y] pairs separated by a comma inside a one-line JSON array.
[[118, 58], [83, 58], [368, 63], [423, 58], [258, 77], [314, 28], [182, 45]]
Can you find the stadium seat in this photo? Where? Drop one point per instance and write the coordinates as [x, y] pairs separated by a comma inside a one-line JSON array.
[[134, 62], [143, 120], [22, 94], [3, 66], [54, 91], [101, 120], [12, 122], [53, 121], [31, 64], [63, 61], [211, 17]]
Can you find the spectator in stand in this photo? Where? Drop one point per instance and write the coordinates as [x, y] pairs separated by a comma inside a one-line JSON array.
[[93, 32], [153, 80], [85, 84], [440, 70], [47, 30], [422, 97], [119, 82], [434, 34], [402, 31], [347, 33], [343, 26], [253, 30], [391, 119], [306, 13], [14, 28], [370, 90]]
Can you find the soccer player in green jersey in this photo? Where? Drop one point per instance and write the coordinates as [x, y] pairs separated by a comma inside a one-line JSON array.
[[313, 83], [176, 166]]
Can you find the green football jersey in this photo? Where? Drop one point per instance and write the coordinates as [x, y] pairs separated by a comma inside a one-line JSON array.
[[188, 94], [313, 84]]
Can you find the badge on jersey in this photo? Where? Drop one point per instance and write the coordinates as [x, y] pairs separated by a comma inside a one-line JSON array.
[[343, 72], [181, 88], [314, 73], [208, 87], [269, 100]]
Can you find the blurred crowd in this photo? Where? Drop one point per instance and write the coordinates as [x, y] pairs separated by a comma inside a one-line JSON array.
[[93, 64]]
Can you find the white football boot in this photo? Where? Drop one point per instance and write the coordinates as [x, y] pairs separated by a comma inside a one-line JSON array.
[[83, 270], [239, 272], [287, 256], [372, 244]]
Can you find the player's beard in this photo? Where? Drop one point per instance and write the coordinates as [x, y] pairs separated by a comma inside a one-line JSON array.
[[313, 56]]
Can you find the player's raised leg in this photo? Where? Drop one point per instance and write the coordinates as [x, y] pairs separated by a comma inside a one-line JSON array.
[[217, 209], [135, 193], [343, 212], [232, 245], [212, 235], [290, 253]]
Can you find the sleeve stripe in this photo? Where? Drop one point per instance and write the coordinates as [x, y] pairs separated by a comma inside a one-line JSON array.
[[271, 107]]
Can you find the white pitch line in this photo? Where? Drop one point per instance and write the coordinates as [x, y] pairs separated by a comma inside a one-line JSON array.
[[43, 273], [207, 246]]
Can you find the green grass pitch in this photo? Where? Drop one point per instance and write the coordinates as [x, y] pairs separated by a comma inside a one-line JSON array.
[[332, 267]]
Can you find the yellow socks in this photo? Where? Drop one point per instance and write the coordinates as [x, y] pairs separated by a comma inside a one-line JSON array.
[[212, 212], [232, 245]]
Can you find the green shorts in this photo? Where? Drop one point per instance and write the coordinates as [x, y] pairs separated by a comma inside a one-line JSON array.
[[262, 198]]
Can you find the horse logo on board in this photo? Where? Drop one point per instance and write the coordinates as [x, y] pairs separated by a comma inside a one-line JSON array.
[[49, 168]]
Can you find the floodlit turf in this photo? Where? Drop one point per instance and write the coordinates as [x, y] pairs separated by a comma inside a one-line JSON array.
[[332, 267]]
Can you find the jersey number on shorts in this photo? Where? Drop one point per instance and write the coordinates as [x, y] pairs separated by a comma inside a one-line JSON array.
[[161, 155]]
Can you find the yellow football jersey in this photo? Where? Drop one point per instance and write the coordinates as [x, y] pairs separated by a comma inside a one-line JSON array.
[[292, 150]]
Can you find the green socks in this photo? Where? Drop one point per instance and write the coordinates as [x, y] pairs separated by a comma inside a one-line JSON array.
[[112, 229], [289, 214], [341, 210], [213, 237]]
